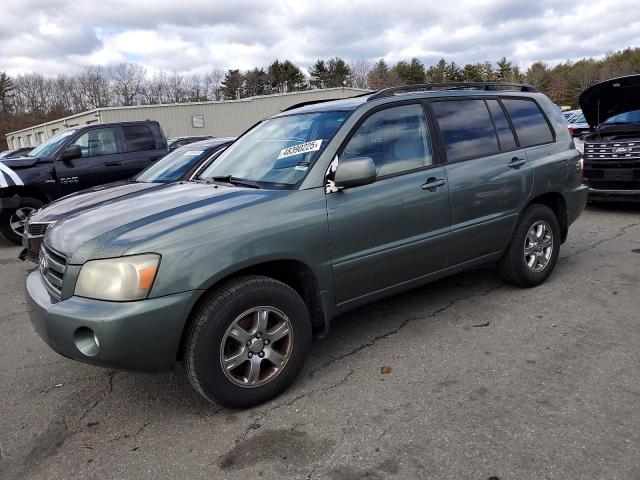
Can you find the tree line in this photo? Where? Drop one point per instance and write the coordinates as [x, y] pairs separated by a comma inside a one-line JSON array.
[[32, 98]]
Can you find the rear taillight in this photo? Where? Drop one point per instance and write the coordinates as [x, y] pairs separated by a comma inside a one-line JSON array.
[[571, 131]]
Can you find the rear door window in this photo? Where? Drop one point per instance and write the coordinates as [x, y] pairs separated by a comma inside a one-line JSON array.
[[138, 138], [529, 121], [466, 128], [503, 129]]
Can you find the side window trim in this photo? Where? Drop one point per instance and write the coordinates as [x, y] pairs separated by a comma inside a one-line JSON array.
[[493, 122], [513, 130], [386, 106]]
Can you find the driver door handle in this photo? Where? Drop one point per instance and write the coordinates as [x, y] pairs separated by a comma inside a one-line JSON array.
[[433, 183], [113, 164], [516, 162]]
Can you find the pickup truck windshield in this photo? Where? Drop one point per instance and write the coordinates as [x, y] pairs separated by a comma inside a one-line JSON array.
[[173, 166], [47, 148], [279, 151]]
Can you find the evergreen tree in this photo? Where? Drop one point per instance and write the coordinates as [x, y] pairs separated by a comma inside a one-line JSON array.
[[437, 73], [505, 68], [6, 92], [255, 82], [232, 85], [472, 72], [319, 74], [381, 76], [410, 72], [338, 73]]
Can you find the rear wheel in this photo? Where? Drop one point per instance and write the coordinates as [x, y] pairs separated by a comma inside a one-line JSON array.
[[13, 222], [247, 342], [533, 251]]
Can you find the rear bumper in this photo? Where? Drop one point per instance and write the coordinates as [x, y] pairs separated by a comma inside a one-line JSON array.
[[143, 335], [576, 202]]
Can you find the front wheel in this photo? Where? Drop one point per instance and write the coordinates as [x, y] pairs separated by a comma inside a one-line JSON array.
[[533, 251], [247, 342], [13, 222]]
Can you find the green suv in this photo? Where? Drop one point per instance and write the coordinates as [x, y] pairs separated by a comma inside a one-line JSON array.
[[314, 211]]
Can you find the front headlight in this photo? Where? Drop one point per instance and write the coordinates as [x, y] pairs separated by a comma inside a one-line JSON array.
[[118, 279]]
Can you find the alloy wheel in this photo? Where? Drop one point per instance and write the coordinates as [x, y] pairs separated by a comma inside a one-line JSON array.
[[538, 246], [256, 346], [19, 218]]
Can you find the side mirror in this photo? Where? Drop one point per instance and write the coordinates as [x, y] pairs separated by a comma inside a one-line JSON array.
[[69, 153], [355, 172]]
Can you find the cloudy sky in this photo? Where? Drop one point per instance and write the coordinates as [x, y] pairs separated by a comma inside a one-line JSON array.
[[195, 36]]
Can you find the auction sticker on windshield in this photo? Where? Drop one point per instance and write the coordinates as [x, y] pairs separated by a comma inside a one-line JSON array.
[[298, 149]]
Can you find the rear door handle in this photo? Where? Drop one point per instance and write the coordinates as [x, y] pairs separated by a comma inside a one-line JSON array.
[[113, 164], [516, 162], [433, 183]]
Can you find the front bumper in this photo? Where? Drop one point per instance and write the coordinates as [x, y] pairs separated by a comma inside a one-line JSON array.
[[614, 195], [143, 335]]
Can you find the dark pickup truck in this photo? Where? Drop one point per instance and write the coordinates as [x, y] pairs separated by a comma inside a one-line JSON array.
[[73, 160]]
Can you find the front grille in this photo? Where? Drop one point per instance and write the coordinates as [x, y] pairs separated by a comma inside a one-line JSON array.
[[612, 151], [52, 268], [612, 165], [37, 229]]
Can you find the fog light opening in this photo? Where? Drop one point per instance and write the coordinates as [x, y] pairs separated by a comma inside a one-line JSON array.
[[86, 341]]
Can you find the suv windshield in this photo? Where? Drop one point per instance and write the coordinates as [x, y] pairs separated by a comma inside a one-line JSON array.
[[627, 117], [47, 148], [278, 151], [173, 166]]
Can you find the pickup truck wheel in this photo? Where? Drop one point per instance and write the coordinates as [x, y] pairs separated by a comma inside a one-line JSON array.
[[247, 342], [13, 222], [533, 251]]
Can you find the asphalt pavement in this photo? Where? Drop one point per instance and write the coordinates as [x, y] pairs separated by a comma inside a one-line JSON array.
[[465, 378]]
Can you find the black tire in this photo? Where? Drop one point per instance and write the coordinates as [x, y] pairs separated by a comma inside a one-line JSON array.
[[210, 323], [512, 266], [5, 221]]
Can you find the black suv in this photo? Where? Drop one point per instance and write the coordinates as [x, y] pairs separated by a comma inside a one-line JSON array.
[[612, 150], [73, 160]]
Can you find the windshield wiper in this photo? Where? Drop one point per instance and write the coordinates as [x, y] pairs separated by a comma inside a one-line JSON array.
[[243, 182]]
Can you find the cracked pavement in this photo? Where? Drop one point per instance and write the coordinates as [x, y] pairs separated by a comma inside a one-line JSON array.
[[546, 385]]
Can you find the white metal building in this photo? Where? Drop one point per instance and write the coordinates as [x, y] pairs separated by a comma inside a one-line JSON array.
[[227, 118]]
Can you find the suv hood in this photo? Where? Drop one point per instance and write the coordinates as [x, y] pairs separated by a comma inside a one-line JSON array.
[[19, 162], [89, 199], [111, 228], [606, 99]]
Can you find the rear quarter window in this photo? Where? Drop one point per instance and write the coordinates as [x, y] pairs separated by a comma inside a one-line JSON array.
[[529, 122], [138, 138], [466, 127]]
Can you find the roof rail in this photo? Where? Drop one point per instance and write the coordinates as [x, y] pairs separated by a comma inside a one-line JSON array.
[[489, 86], [313, 102], [309, 102]]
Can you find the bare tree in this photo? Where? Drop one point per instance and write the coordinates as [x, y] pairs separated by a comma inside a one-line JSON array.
[[212, 83], [176, 88], [360, 73], [157, 90], [95, 86], [128, 83]]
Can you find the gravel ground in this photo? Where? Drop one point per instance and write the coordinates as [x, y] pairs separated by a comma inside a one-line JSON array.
[[485, 380]]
